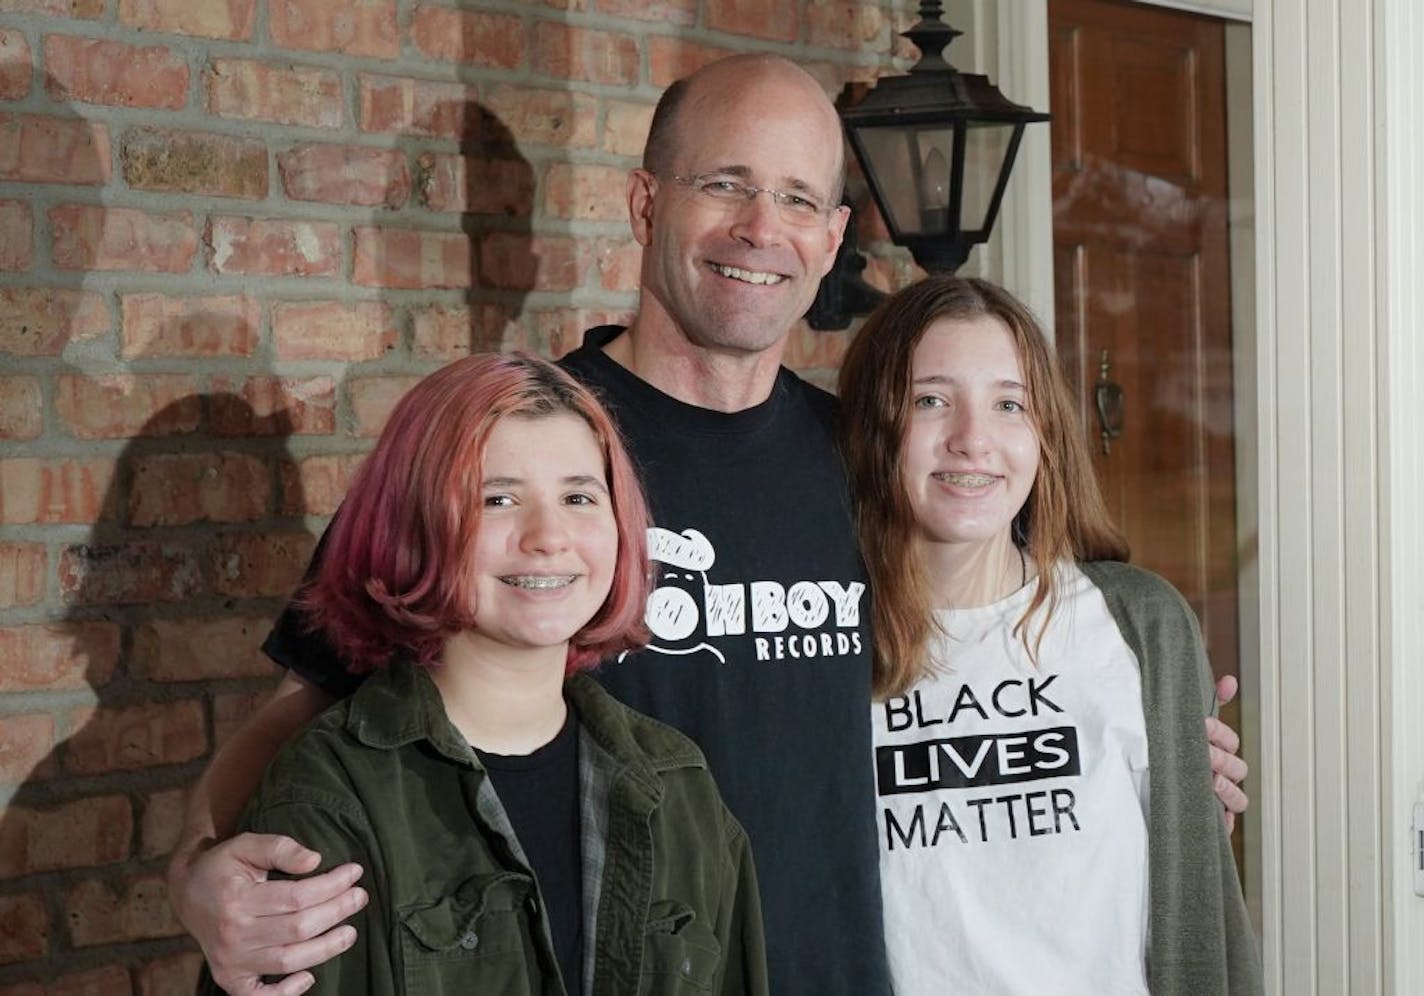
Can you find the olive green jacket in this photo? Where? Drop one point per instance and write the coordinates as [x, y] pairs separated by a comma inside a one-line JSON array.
[[383, 779], [1200, 938]]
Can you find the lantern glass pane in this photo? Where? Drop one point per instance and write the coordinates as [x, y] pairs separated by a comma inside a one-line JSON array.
[[888, 157], [985, 146]]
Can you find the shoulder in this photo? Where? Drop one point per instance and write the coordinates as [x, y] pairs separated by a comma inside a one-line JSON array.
[[312, 769], [821, 403], [1132, 589]]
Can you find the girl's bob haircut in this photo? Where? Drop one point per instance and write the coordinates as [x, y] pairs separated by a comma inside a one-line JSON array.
[[395, 576]]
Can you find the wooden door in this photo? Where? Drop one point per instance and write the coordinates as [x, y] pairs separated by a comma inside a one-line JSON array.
[[1141, 285]]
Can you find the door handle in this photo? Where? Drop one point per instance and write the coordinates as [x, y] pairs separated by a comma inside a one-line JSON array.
[[1108, 396]]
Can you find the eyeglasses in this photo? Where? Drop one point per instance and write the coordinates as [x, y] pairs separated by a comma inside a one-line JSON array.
[[796, 207]]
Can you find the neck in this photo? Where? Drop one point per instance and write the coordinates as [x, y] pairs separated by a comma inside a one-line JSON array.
[[963, 576], [501, 700], [656, 351]]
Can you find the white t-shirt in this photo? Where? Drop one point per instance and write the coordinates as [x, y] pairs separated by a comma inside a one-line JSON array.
[[1012, 807]]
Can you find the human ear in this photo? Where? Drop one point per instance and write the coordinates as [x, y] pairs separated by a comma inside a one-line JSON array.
[[642, 185]]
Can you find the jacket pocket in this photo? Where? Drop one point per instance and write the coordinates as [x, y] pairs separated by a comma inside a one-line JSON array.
[[682, 953], [476, 939]]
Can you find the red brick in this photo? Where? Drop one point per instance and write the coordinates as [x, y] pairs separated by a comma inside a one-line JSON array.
[[345, 174], [448, 332], [295, 95], [838, 24], [93, 831], [177, 489], [231, 19], [273, 247], [316, 485], [176, 975], [93, 71], [59, 656], [625, 128], [25, 741], [161, 822], [22, 582], [556, 332], [40, 321], [773, 21], [514, 261], [679, 12], [620, 264], [90, 237], [194, 162], [372, 399], [137, 571], [202, 649], [16, 236], [262, 565], [47, 491], [333, 330], [230, 711], [35, 149], [412, 260], [118, 406], [585, 192], [483, 184], [21, 411], [352, 27], [139, 911], [273, 406], [421, 107], [24, 928], [112, 980], [16, 65], [670, 58], [547, 117], [128, 738], [159, 325], [469, 37], [571, 53]]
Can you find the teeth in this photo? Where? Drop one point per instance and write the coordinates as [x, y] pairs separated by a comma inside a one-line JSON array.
[[748, 276], [965, 480], [538, 582]]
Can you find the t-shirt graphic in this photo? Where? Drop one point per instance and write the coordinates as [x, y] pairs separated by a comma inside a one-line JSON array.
[[687, 609]]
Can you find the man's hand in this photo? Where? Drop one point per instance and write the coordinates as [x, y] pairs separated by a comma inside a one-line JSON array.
[[1228, 769], [250, 927]]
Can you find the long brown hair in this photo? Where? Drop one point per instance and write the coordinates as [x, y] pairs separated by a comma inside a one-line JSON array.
[[1064, 516]]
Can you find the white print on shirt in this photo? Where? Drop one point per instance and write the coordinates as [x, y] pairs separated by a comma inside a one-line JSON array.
[[687, 611], [980, 760]]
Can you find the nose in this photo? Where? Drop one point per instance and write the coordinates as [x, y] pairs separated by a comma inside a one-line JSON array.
[[757, 220], [544, 529], [965, 431]]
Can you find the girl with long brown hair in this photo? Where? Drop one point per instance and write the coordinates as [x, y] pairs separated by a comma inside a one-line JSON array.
[[1047, 822]]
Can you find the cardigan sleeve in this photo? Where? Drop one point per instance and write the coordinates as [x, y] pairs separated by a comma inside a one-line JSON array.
[[1201, 941]]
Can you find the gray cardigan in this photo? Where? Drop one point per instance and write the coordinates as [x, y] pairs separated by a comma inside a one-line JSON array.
[[1201, 941]]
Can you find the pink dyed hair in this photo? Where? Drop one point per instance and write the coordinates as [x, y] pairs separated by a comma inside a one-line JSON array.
[[394, 577]]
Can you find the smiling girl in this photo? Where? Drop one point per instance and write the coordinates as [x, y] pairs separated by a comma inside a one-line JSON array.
[[1047, 820], [521, 831]]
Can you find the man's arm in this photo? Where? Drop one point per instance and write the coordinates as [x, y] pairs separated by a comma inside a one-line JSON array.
[[1229, 769], [249, 927]]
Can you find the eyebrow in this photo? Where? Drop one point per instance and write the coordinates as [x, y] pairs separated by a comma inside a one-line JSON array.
[[745, 173], [571, 481], [942, 379]]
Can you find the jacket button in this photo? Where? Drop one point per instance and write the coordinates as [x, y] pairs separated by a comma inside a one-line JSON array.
[[470, 940], [686, 968]]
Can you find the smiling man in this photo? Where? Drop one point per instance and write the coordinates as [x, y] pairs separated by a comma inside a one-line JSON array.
[[760, 646]]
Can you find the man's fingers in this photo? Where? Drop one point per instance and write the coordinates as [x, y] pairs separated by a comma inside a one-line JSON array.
[[1230, 794], [1226, 688], [292, 985], [273, 852], [298, 957], [1222, 737], [295, 895], [302, 924]]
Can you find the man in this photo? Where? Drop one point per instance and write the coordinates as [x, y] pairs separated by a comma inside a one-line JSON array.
[[760, 648]]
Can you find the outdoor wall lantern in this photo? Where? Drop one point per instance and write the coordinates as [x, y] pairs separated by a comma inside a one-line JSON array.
[[937, 147]]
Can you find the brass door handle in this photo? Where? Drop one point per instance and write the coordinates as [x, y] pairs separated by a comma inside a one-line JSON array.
[[1108, 396]]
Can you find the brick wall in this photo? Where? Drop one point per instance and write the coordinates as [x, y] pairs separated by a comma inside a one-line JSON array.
[[232, 232]]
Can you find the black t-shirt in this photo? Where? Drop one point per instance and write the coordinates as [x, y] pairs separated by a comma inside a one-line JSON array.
[[540, 795], [760, 652]]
